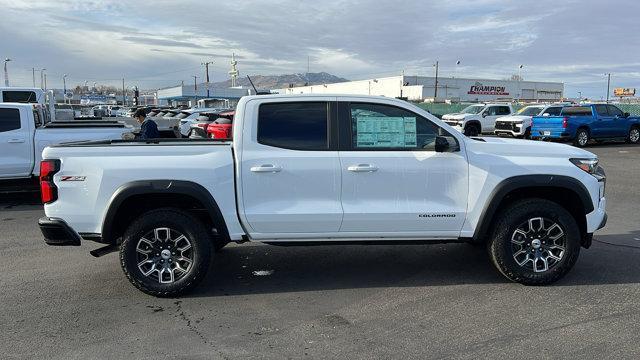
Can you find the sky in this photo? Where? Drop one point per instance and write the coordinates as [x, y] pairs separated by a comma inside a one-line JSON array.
[[157, 43]]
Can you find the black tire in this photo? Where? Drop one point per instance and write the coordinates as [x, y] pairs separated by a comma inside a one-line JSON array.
[[527, 134], [179, 222], [504, 251], [582, 138], [634, 135], [471, 130]]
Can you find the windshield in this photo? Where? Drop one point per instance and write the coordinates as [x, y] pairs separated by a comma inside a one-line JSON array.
[[530, 110], [473, 109]]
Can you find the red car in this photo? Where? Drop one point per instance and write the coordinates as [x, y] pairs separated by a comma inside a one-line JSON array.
[[221, 128]]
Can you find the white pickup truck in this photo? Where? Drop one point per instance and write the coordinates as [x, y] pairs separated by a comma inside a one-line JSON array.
[[478, 118], [25, 131], [322, 169], [519, 124]]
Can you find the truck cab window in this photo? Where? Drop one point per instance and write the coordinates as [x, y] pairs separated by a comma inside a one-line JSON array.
[[296, 126], [19, 96], [602, 110], [384, 127], [9, 119], [614, 111]]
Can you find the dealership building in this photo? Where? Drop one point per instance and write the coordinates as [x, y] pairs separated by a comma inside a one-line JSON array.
[[424, 88]]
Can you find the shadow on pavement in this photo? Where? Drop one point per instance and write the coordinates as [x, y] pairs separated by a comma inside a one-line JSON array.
[[369, 266]]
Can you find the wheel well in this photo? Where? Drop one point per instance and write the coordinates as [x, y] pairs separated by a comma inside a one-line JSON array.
[[135, 205], [585, 128], [564, 197], [475, 123]]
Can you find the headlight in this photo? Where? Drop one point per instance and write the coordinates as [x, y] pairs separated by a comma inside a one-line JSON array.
[[588, 165]]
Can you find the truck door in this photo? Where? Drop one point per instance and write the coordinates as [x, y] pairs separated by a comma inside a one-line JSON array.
[[619, 123], [16, 151], [489, 116], [603, 124], [394, 184], [290, 171]]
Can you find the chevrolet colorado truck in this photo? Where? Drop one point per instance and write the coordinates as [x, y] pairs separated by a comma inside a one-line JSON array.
[[322, 169], [519, 125], [478, 118], [586, 122]]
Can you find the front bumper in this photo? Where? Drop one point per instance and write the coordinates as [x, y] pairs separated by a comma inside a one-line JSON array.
[[57, 232]]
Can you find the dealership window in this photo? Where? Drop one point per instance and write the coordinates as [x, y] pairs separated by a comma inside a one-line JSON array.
[[19, 96], [9, 119], [385, 127], [297, 126]]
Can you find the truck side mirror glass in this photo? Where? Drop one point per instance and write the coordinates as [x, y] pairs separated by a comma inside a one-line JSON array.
[[484, 114]]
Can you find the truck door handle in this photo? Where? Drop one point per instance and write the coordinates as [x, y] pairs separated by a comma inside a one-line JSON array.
[[266, 168], [362, 168], [15, 141]]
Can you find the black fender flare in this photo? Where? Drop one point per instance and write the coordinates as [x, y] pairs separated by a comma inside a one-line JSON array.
[[179, 187], [510, 184]]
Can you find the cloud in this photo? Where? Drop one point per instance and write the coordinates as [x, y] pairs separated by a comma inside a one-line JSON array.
[[572, 41]]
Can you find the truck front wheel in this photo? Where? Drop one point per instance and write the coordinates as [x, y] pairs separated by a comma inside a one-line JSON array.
[[165, 252], [535, 242], [634, 135]]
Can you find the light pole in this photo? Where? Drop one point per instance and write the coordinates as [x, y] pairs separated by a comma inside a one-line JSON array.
[[6, 73], [580, 95], [195, 89], [42, 78], [206, 66], [520, 81], [608, 85], [33, 74], [64, 90], [435, 91]]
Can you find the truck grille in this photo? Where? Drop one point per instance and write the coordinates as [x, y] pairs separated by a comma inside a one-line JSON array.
[[504, 125]]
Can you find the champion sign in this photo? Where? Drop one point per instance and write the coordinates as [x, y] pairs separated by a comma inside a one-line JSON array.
[[479, 89]]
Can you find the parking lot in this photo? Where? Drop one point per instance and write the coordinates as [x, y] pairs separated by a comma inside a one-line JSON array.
[[258, 301]]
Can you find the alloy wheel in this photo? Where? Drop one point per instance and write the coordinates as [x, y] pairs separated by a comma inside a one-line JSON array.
[[538, 244], [165, 255], [634, 135], [583, 138]]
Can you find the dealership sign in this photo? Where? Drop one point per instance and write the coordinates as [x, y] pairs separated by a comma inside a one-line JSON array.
[[479, 89], [622, 92]]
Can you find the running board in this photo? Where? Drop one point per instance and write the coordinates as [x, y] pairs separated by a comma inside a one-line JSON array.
[[104, 250]]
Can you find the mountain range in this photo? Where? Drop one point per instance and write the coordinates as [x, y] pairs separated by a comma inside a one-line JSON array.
[[265, 82]]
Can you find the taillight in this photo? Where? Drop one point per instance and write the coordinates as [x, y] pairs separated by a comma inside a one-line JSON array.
[[565, 122], [48, 190]]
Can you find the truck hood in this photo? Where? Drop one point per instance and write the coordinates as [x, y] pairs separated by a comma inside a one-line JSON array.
[[514, 118], [455, 116], [529, 148]]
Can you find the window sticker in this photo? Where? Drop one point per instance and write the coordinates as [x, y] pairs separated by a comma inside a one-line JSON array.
[[382, 131]]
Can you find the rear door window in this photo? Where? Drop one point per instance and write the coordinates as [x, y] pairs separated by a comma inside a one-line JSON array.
[[602, 110], [296, 126], [9, 119]]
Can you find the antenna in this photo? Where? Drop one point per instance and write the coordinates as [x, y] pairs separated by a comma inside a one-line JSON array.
[[256, 90]]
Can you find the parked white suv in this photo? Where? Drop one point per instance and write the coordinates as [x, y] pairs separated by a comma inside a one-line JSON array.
[[477, 119], [519, 125], [314, 169]]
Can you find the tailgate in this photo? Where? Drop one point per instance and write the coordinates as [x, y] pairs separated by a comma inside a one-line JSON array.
[[546, 125]]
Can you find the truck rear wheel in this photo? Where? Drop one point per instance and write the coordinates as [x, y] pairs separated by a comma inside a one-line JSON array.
[[165, 252], [582, 138], [535, 242]]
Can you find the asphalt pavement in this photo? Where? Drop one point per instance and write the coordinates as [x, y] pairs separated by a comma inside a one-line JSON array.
[[355, 302]]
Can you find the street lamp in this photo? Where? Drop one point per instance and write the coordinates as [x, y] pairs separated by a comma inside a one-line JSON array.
[[6, 73], [64, 91], [608, 75], [42, 78]]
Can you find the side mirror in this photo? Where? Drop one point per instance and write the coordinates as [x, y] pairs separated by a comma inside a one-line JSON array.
[[546, 114], [484, 114], [627, 114], [442, 144]]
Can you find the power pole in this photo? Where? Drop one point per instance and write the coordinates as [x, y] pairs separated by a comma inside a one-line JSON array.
[[206, 66], [608, 85], [33, 73], [45, 82], [42, 78], [6, 73], [435, 92], [124, 99], [195, 89]]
